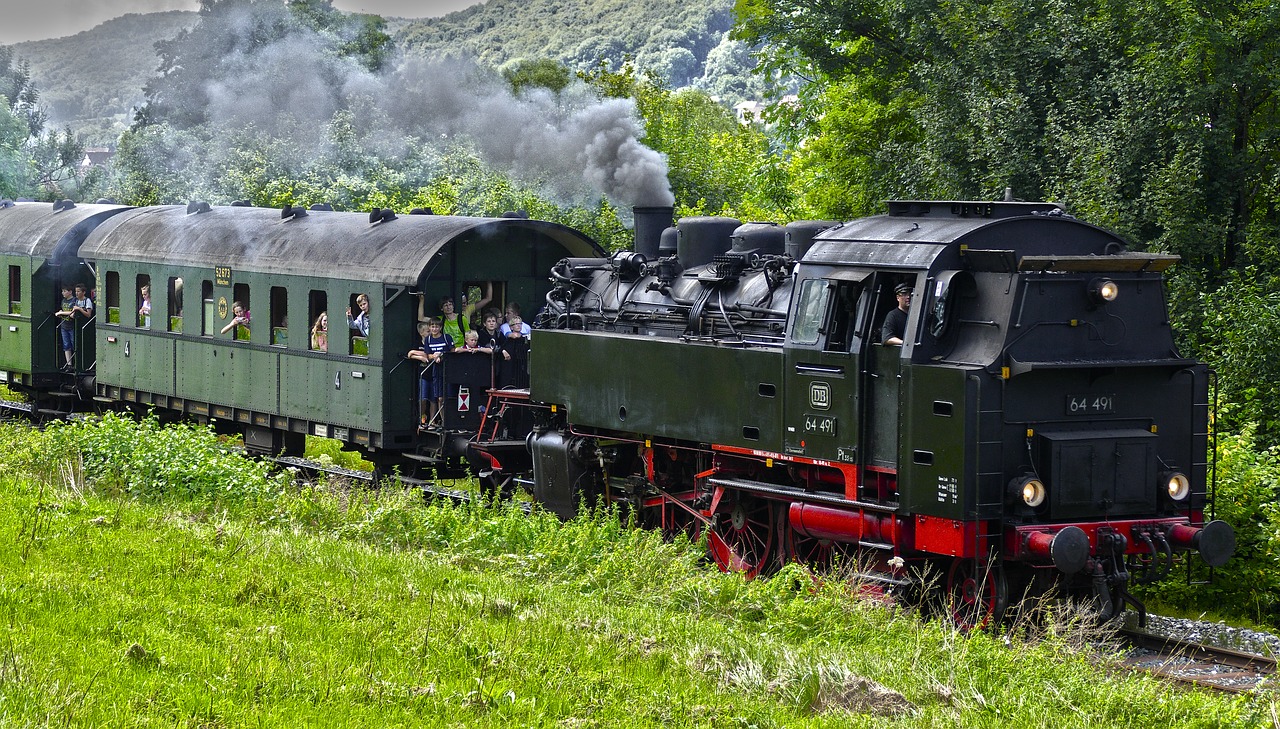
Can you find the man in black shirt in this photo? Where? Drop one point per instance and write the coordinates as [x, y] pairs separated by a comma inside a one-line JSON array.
[[895, 322]]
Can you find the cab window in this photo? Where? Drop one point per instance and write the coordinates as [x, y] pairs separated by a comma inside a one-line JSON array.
[[810, 309]]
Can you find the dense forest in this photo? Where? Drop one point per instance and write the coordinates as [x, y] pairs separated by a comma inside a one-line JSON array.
[[1158, 120], [96, 97]]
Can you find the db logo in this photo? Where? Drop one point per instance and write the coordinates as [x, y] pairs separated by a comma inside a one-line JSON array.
[[464, 400], [819, 395]]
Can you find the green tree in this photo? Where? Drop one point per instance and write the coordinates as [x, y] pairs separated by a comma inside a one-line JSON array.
[[14, 161], [542, 72], [717, 165], [18, 88], [56, 161], [1153, 118]]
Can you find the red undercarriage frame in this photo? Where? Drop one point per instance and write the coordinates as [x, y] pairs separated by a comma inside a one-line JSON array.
[[853, 513]]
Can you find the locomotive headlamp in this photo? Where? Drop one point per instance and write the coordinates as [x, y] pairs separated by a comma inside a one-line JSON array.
[[1103, 290], [1177, 484], [1031, 490]]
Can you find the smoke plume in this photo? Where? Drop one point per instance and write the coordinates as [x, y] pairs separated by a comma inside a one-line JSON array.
[[572, 145]]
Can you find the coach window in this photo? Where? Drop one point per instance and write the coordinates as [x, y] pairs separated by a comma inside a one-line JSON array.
[[208, 309], [113, 297], [810, 311], [143, 288], [15, 289], [240, 295], [359, 323], [318, 315], [279, 316], [175, 305]]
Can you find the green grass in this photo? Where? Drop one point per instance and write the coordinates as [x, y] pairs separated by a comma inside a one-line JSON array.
[[132, 601], [328, 452]]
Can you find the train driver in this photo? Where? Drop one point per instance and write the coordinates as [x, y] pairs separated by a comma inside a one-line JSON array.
[[895, 322]]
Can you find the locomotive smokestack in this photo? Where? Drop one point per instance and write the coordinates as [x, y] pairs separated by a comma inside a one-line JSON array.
[[650, 222]]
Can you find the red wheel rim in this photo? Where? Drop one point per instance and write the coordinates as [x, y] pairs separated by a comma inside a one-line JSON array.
[[976, 596], [743, 538]]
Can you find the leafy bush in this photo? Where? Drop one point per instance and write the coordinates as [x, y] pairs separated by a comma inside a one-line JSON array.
[[142, 458], [1233, 327], [1247, 490]]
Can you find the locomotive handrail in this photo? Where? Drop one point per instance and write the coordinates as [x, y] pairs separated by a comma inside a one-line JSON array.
[[1017, 367], [1155, 262], [812, 369]]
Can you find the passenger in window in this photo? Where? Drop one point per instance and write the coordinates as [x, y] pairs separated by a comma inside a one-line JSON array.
[[895, 322], [513, 309], [239, 317], [144, 311], [515, 328], [515, 349], [320, 333], [453, 324], [360, 322], [470, 343]]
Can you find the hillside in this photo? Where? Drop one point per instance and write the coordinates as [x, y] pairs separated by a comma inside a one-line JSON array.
[[142, 590], [671, 37], [92, 80]]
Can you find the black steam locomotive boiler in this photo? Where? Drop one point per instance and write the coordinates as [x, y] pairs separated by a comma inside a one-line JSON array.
[[1037, 426]]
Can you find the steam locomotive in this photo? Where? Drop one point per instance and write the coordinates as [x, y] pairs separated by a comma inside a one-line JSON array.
[[1036, 429]]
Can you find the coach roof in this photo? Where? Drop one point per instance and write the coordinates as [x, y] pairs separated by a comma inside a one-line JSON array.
[[341, 245], [40, 230]]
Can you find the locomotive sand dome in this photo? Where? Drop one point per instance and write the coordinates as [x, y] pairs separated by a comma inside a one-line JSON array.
[[1036, 428]]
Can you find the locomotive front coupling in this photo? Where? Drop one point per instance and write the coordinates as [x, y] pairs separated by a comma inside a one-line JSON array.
[[1070, 548]]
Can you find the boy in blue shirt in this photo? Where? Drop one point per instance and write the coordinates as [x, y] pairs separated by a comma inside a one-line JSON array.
[[431, 354]]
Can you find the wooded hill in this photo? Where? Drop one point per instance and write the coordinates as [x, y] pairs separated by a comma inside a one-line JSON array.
[[93, 80]]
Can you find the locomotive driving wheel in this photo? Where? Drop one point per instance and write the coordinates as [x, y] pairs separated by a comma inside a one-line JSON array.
[[743, 539], [814, 553], [977, 595]]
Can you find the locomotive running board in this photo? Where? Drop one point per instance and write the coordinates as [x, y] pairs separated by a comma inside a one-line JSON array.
[[790, 493]]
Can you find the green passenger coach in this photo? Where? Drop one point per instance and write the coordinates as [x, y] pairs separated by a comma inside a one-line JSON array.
[[228, 334], [39, 253]]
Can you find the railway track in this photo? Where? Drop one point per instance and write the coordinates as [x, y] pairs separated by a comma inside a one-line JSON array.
[[430, 490], [1205, 666]]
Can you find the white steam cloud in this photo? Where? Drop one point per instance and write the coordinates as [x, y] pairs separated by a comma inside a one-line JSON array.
[[570, 143]]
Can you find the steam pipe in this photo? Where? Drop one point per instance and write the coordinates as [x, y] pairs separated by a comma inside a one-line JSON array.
[[1163, 545], [1145, 538], [839, 525]]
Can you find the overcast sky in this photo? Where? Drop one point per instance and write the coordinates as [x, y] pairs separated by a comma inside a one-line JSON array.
[[22, 20]]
